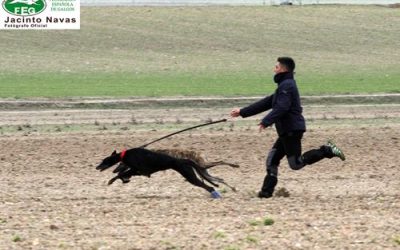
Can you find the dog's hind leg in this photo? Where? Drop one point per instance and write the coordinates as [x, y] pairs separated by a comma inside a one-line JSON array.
[[190, 176], [216, 163], [215, 179]]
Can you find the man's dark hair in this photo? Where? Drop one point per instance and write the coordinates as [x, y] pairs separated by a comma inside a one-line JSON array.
[[288, 62]]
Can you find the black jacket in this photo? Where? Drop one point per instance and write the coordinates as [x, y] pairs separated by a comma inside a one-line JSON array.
[[286, 111]]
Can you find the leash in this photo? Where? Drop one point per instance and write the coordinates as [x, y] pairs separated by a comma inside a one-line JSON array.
[[183, 130]]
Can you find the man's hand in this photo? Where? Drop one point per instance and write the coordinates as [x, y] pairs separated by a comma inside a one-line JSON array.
[[261, 127], [235, 112]]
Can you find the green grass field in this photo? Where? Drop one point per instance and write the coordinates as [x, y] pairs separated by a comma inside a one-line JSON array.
[[228, 51]]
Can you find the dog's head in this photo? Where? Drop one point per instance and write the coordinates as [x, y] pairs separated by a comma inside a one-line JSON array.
[[109, 161]]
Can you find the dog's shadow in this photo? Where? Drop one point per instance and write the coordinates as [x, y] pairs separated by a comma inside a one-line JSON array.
[[158, 197], [141, 198]]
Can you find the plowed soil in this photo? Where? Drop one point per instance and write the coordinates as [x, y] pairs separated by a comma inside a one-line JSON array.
[[51, 196]]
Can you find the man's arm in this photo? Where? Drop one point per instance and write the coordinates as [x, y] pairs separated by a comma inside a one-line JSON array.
[[257, 107], [283, 103]]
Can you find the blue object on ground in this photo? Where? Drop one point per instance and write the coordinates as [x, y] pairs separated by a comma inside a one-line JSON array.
[[216, 195]]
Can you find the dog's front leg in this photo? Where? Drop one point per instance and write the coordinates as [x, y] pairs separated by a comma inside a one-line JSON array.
[[123, 176], [111, 181], [123, 179]]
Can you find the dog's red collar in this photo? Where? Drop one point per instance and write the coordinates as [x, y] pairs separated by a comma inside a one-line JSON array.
[[123, 154]]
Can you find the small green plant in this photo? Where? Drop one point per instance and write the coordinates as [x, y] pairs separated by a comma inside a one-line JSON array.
[[169, 245], [268, 221], [396, 240], [232, 248], [219, 235], [16, 238], [3, 221], [172, 248], [255, 222], [223, 190], [251, 239]]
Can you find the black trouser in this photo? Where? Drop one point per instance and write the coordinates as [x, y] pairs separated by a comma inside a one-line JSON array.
[[290, 145]]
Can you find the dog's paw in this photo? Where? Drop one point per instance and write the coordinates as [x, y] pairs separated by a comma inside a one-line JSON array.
[[101, 168], [111, 181], [215, 195], [125, 180]]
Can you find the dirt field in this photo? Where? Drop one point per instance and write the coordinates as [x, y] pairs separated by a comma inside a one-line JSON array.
[[51, 197]]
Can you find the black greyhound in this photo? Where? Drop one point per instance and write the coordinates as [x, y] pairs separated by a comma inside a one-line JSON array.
[[140, 161]]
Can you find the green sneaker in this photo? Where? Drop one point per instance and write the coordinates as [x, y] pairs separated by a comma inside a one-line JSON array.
[[335, 150]]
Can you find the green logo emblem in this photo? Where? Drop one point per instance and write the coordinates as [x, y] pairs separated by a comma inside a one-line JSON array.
[[24, 7]]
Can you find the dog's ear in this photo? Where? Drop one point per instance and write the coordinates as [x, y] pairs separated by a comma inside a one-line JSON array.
[[114, 153]]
